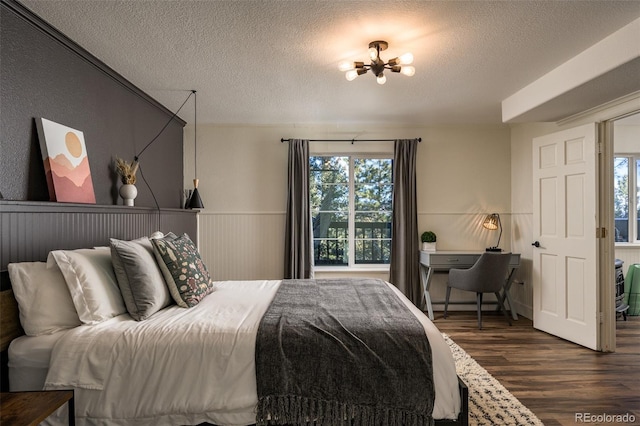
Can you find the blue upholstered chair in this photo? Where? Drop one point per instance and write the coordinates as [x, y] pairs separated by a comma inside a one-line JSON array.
[[487, 275]]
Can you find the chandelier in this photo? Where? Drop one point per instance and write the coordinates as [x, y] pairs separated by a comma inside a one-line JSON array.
[[377, 65]]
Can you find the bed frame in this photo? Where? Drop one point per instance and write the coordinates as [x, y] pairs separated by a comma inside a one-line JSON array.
[[31, 229]]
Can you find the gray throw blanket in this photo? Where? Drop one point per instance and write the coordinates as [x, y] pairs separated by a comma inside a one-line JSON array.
[[342, 352]]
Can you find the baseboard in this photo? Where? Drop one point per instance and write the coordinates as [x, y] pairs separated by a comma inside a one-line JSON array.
[[524, 310]]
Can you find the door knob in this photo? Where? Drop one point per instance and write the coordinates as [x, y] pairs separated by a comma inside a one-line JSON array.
[[536, 244]]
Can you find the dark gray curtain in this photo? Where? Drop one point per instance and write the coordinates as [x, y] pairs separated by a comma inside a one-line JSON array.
[[298, 259], [405, 255]]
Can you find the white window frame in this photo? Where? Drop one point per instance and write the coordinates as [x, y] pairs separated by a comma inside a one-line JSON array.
[[634, 201], [351, 214]]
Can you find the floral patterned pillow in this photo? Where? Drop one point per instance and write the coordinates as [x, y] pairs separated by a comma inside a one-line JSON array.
[[184, 271]]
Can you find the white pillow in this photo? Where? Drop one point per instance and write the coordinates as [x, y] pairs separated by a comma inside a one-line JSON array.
[[91, 281], [43, 298]]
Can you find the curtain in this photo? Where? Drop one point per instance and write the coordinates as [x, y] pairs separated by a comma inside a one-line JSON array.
[[405, 256], [298, 259]]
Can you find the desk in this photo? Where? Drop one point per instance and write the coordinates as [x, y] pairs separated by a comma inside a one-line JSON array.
[[431, 261]]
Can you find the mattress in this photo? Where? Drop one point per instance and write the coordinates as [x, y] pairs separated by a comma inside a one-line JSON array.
[[29, 359]]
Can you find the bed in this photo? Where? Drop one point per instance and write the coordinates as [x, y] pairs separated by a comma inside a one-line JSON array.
[[213, 345]]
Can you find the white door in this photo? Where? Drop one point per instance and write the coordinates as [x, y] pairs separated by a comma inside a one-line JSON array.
[[565, 278]]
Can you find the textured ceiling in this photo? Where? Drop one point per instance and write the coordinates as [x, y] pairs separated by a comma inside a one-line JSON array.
[[265, 62]]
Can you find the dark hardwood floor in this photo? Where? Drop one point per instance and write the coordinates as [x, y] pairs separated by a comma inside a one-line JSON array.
[[554, 378]]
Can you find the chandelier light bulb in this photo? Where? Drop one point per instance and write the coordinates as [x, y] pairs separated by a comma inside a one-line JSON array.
[[346, 66], [373, 53], [381, 79], [351, 75], [406, 59], [408, 71]]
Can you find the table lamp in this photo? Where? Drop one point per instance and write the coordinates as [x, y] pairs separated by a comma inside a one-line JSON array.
[[492, 222]]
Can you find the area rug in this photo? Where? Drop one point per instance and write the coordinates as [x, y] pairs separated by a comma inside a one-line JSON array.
[[490, 403]]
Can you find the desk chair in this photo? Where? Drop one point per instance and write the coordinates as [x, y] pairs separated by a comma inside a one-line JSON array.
[[487, 275]]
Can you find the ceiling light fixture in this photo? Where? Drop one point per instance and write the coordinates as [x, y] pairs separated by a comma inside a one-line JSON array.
[[377, 66]]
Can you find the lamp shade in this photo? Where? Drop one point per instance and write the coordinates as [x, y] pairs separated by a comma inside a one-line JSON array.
[[491, 221], [195, 202]]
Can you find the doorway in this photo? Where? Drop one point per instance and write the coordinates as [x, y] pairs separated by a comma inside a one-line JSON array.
[[626, 197]]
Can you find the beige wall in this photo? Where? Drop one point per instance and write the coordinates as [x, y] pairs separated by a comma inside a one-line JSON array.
[[627, 137], [464, 172]]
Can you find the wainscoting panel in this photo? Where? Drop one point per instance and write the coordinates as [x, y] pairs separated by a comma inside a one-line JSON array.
[[30, 229], [242, 246], [629, 254]]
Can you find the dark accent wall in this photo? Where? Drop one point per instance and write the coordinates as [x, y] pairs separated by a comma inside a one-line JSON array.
[[30, 230], [45, 74]]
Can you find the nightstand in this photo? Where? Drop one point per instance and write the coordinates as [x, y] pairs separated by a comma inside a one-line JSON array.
[[31, 408]]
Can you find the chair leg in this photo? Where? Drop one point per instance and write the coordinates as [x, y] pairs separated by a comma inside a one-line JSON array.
[[479, 303], [502, 307], [446, 301]]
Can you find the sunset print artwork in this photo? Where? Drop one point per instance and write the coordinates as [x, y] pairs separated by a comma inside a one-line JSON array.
[[65, 163]]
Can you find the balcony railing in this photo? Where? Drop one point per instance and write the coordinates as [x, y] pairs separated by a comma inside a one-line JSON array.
[[372, 244]]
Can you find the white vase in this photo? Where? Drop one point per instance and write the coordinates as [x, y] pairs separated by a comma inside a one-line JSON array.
[[128, 192], [428, 246]]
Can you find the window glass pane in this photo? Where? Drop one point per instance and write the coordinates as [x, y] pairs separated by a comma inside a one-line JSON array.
[[330, 169], [373, 225], [373, 170], [329, 183], [372, 251], [372, 238], [331, 252], [373, 197], [330, 238], [329, 197], [621, 198], [638, 199], [330, 225]]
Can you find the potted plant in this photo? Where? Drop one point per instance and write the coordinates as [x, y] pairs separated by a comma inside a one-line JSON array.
[[428, 241]]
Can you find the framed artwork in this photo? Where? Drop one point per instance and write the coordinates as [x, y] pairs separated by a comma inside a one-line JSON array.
[[66, 163]]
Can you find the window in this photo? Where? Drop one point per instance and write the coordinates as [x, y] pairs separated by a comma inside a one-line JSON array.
[[351, 201], [626, 176]]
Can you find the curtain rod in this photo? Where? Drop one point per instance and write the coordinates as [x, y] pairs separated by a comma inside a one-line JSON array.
[[349, 140]]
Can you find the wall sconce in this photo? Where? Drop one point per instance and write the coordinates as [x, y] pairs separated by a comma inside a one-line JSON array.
[[195, 202], [492, 222]]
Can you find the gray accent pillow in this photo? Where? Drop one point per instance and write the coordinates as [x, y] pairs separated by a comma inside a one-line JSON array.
[[184, 271], [140, 280]]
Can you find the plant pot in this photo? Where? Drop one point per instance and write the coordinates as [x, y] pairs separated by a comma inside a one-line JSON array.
[[428, 246], [128, 192]]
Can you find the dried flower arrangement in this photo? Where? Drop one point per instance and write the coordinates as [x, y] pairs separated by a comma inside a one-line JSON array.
[[127, 171]]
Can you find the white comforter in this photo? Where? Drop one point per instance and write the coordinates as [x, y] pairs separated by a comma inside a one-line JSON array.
[[187, 366]]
